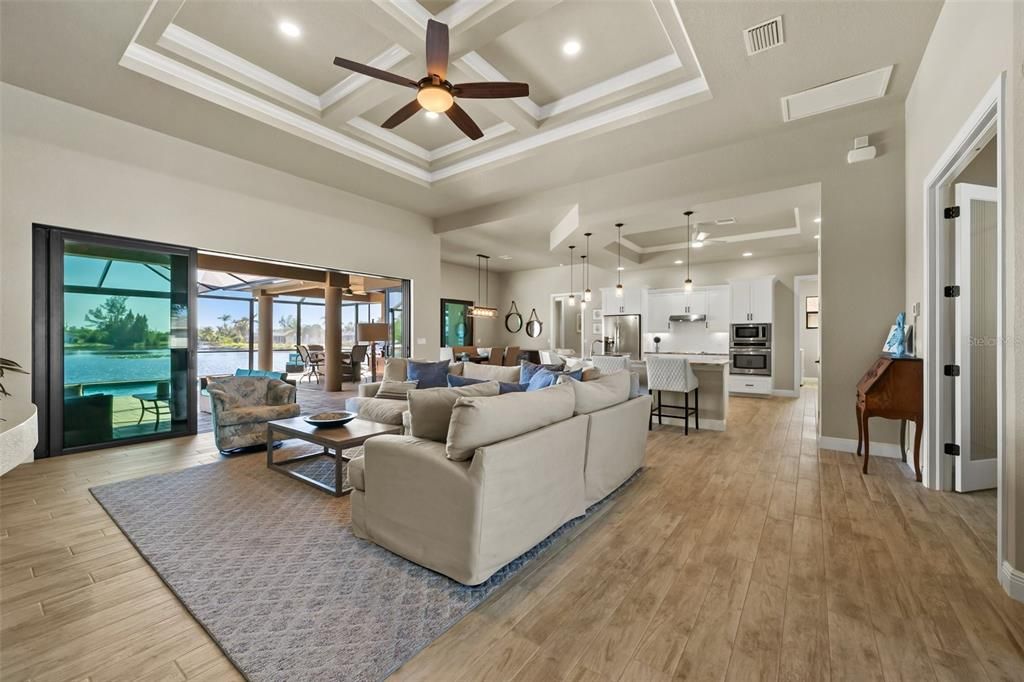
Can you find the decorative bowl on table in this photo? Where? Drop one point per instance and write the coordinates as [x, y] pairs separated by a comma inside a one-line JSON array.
[[330, 418]]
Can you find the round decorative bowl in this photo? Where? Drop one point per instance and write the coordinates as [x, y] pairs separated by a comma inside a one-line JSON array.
[[330, 418]]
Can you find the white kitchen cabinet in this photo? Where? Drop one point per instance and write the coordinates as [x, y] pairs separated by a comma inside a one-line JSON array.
[[750, 384], [751, 300], [694, 302], [633, 301], [718, 309], [659, 307]]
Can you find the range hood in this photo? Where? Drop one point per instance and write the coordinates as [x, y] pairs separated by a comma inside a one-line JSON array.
[[689, 317]]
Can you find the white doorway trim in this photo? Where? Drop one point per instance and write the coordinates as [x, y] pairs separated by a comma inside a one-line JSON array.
[[551, 317], [986, 119]]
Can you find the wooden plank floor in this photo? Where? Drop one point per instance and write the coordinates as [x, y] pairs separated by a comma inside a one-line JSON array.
[[739, 555]]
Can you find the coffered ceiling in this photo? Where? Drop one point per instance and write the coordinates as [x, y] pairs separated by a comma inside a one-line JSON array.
[[235, 54]]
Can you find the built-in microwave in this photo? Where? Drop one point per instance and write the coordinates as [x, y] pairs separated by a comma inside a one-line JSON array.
[[751, 335], [750, 361]]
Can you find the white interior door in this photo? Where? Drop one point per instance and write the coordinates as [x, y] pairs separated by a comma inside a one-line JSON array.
[[976, 257]]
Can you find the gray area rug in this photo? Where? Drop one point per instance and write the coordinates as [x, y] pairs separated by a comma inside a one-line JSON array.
[[271, 570]]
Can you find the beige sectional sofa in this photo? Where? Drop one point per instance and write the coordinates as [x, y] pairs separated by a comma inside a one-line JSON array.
[[511, 470]]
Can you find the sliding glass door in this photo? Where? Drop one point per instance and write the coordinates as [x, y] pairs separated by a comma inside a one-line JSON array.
[[120, 341]]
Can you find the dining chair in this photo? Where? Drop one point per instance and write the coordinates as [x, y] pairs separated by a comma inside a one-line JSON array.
[[511, 356], [312, 362]]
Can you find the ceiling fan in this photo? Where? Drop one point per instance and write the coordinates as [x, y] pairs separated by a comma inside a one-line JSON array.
[[434, 92]]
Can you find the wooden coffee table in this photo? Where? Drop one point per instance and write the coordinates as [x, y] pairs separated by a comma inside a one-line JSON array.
[[336, 439]]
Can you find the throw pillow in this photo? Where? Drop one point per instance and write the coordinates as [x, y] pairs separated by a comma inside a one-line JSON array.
[[545, 377], [430, 409], [395, 369], [428, 374], [503, 386], [395, 390], [477, 422], [527, 369], [606, 391]]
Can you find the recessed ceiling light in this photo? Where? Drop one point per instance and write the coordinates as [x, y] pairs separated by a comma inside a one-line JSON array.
[[817, 220], [698, 245], [433, 115], [571, 48], [679, 262], [289, 29], [817, 236], [725, 221], [747, 254], [620, 268], [505, 257]]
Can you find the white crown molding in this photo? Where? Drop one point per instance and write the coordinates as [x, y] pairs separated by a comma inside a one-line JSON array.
[[155, 65], [385, 60], [637, 76], [483, 68], [731, 239], [632, 108], [189, 45], [388, 137]]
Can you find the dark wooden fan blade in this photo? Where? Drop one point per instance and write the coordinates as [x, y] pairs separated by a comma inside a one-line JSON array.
[[494, 90], [460, 118], [437, 49], [402, 114], [374, 73]]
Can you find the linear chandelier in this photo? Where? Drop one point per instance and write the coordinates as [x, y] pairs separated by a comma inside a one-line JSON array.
[[483, 311]]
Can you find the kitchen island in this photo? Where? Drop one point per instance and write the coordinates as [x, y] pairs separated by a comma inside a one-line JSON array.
[[712, 372]]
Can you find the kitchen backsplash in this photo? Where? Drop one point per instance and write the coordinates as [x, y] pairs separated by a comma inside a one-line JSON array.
[[688, 337]]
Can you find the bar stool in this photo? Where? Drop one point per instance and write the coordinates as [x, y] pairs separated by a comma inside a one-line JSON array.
[[611, 363], [673, 374]]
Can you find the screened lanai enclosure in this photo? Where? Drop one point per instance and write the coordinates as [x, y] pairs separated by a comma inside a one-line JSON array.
[[126, 333]]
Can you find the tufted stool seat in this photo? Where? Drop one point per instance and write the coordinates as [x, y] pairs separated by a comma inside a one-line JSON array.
[[666, 373]]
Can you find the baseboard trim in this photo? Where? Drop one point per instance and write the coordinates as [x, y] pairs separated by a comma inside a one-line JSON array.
[[785, 393], [891, 450], [1012, 581]]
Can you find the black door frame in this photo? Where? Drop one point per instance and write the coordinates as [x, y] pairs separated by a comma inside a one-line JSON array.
[[48, 325], [469, 320]]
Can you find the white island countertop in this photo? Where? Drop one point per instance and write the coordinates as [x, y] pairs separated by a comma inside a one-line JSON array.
[[698, 358]]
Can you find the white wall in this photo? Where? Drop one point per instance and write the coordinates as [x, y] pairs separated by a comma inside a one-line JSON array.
[[971, 45], [70, 167]]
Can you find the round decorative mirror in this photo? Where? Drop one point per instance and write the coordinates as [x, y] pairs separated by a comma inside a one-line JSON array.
[[513, 321], [533, 325]]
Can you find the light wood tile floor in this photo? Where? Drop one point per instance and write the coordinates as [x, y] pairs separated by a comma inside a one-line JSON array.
[[740, 555]]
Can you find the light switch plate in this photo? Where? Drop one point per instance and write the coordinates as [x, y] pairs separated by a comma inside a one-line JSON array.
[[421, 342]]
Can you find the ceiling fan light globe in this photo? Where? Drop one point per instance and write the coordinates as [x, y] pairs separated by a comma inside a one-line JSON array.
[[435, 98]]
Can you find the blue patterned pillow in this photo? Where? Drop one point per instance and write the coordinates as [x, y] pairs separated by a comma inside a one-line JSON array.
[[527, 369], [544, 377], [503, 387], [428, 374]]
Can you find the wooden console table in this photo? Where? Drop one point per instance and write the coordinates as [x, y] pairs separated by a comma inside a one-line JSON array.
[[893, 389]]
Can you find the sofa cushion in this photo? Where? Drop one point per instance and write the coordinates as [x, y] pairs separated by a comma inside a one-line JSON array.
[[380, 410], [495, 372], [503, 386], [256, 414], [477, 422], [357, 473], [591, 373], [395, 390], [545, 377], [430, 409], [527, 369], [606, 391], [428, 374]]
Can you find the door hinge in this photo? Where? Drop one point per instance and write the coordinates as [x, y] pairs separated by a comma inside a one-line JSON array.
[[951, 449], [951, 291], [951, 370], [951, 212]]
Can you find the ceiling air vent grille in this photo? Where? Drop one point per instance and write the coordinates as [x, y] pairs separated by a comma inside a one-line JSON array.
[[764, 36]]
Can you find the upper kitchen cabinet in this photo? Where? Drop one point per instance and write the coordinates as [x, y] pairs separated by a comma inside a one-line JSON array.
[[660, 306], [633, 301], [718, 309], [752, 300]]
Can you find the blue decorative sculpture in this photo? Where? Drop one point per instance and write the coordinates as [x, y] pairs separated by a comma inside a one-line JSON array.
[[896, 343]]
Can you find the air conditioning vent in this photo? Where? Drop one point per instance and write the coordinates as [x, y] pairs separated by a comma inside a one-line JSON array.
[[764, 36]]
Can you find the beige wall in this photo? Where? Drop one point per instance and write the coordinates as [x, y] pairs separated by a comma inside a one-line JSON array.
[[982, 170], [972, 44], [458, 281], [783, 339], [69, 167]]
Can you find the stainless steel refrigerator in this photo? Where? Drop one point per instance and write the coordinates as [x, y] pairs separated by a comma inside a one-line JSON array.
[[622, 335]]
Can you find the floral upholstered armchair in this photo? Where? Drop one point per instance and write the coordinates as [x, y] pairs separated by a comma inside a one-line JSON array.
[[242, 406]]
